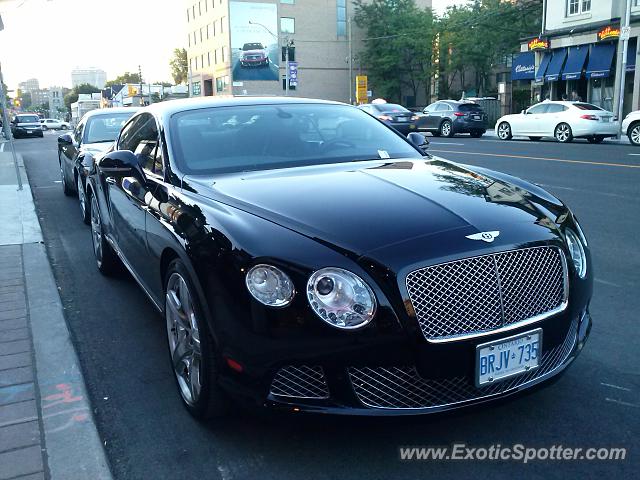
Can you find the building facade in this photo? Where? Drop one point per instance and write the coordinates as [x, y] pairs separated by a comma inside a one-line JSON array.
[[236, 47], [92, 76], [29, 85], [56, 101], [579, 54]]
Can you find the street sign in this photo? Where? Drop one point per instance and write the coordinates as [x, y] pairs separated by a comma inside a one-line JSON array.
[[361, 89], [293, 74], [625, 33]]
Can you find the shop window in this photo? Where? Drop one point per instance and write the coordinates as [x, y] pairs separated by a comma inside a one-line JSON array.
[[196, 88]]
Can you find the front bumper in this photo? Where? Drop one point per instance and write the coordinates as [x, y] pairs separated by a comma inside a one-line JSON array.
[[36, 132], [404, 387]]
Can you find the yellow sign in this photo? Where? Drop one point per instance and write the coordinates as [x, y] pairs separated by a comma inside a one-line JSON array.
[[608, 33], [132, 91], [361, 89]]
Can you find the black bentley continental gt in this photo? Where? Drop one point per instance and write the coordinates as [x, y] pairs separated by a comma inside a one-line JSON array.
[[307, 257]]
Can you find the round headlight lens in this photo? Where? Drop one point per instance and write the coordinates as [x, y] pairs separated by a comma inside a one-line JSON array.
[[577, 252], [341, 298], [270, 285]]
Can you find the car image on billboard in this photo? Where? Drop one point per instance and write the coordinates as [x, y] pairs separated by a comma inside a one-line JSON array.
[[254, 46]]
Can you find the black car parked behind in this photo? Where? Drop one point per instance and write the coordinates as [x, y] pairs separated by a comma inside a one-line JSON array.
[[448, 117]]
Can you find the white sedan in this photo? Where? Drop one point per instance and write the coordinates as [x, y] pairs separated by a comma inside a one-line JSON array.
[[54, 124], [631, 127], [562, 120]]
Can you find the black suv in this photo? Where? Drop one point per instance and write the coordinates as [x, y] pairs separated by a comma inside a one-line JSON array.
[[448, 117], [26, 125]]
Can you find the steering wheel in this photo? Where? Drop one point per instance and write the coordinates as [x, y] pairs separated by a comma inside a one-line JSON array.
[[337, 143]]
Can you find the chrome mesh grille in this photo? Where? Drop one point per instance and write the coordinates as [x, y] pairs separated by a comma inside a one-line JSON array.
[[300, 382], [484, 293], [402, 387]]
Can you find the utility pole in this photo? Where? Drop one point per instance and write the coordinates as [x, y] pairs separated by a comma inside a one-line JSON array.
[[140, 78], [286, 65], [624, 39], [350, 63]]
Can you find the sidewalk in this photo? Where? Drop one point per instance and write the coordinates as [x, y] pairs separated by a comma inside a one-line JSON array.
[[46, 424]]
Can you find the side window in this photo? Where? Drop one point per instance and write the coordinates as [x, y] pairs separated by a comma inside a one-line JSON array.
[[442, 107], [141, 137], [431, 108], [556, 108], [540, 108]]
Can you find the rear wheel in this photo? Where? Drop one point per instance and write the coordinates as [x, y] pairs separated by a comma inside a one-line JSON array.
[[563, 133], [595, 139], [191, 347], [504, 131], [634, 133], [446, 129], [534, 139], [106, 258]]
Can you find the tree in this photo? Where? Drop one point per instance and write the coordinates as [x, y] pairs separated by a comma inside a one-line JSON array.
[[179, 66], [398, 47], [72, 96], [127, 77]]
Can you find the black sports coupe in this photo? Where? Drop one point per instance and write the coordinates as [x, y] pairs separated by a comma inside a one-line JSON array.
[[93, 136], [307, 257]]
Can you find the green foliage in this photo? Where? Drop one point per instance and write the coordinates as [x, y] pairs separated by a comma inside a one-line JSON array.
[[72, 96], [126, 77], [398, 46], [179, 66], [473, 38]]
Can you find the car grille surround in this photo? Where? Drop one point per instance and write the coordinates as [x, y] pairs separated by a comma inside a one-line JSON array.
[[300, 381], [402, 387], [482, 294]]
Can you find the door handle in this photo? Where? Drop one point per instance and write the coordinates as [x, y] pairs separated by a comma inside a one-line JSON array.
[[111, 180]]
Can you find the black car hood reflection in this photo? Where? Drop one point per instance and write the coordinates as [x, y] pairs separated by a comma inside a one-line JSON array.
[[365, 206]]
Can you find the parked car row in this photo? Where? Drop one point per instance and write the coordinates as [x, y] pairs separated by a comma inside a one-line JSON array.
[[30, 125], [306, 256]]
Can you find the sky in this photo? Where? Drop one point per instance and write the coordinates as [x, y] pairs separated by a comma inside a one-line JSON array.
[[46, 39]]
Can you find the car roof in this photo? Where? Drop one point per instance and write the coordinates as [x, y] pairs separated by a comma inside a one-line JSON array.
[[110, 111], [166, 109]]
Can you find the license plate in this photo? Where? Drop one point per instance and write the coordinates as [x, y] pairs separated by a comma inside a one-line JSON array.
[[476, 117], [605, 119], [504, 358], [403, 119]]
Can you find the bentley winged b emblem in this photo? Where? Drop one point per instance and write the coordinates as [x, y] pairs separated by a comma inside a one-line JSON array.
[[484, 236]]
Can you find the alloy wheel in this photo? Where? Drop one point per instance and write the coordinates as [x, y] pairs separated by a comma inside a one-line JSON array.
[[184, 338], [634, 134], [446, 129], [504, 131], [563, 132], [82, 197], [96, 229]]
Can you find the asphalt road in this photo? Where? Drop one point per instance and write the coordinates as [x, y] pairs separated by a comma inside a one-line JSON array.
[[240, 73], [122, 349]]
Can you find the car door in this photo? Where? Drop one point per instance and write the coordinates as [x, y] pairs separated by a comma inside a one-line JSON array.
[[552, 117], [532, 121], [427, 122], [128, 191], [69, 152]]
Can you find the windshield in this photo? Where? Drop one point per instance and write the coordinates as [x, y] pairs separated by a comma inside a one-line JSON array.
[[28, 119], [261, 137], [390, 107], [252, 46], [105, 128]]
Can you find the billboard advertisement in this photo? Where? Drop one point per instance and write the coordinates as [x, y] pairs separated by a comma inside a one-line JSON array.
[[254, 45]]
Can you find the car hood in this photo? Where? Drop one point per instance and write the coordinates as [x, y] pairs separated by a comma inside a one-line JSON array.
[[363, 207]]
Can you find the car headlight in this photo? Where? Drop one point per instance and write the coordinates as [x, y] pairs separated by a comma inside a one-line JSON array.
[[576, 251], [341, 298], [270, 285]]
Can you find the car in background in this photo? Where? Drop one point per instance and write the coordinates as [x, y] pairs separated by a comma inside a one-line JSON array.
[[631, 127], [254, 55], [394, 115], [448, 117], [54, 124], [563, 120], [77, 150], [26, 125], [306, 257]]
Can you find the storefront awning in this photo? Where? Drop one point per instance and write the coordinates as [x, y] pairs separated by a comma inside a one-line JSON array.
[[631, 55], [555, 65], [575, 62], [600, 60], [544, 63], [523, 66]]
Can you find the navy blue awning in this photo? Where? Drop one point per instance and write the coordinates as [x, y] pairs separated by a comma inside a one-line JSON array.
[[631, 55], [524, 66], [544, 63], [600, 60], [555, 65], [575, 62]]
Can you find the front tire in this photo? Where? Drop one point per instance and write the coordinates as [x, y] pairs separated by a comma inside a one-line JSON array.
[[82, 200], [634, 134], [191, 347], [563, 133], [446, 129], [106, 258], [66, 189], [504, 131]]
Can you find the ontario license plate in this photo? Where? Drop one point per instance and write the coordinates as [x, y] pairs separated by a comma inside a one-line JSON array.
[[605, 119], [476, 117], [504, 358]]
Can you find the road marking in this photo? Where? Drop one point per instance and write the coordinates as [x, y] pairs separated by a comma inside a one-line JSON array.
[[615, 386], [539, 158], [635, 154], [626, 404], [611, 284]]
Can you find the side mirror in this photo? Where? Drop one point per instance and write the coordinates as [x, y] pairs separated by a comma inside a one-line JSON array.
[[123, 162], [418, 140], [65, 139]]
